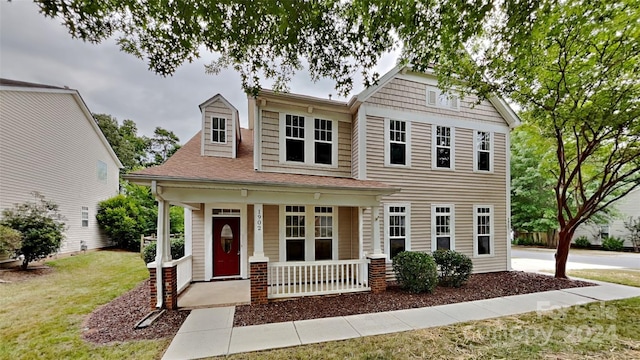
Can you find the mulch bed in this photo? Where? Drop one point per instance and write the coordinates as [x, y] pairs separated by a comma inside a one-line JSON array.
[[480, 286], [115, 321], [16, 274]]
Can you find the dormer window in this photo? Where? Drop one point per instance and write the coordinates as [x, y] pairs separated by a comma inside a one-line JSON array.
[[218, 130], [443, 100]]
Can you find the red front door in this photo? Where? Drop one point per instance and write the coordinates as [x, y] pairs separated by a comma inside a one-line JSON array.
[[226, 246]]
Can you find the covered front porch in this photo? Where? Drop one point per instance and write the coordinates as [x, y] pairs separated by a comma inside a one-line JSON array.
[[288, 242]]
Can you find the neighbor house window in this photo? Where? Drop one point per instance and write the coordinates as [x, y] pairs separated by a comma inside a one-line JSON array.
[[218, 130], [397, 229], [442, 227], [101, 169], [604, 232], [323, 141], [294, 233], [444, 100], [323, 233], [294, 134], [85, 216], [483, 151], [397, 142], [483, 230], [443, 147]]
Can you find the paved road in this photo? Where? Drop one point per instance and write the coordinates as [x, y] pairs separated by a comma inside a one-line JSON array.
[[625, 260]]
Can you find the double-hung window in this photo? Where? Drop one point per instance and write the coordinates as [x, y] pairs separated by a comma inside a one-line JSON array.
[[323, 144], [323, 232], [397, 229], [442, 227], [85, 216], [483, 151], [295, 233], [218, 130], [397, 143], [483, 230], [443, 149], [294, 138]]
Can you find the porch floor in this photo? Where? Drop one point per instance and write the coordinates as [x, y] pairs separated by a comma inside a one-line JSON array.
[[215, 294]]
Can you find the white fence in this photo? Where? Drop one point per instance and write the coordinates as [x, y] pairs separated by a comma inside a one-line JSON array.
[[184, 272], [290, 279]]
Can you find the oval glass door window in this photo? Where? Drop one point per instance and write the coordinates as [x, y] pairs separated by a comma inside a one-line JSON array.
[[226, 238]]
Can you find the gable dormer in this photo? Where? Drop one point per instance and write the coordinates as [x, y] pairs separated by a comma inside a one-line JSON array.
[[220, 128]]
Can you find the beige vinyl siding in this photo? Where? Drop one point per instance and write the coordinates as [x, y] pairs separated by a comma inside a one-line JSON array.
[[347, 234], [270, 149], [197, 247], [48, 145], [250, 230], [422, 186], [355, 161], [220, 110], [271, 234], [406, 95]]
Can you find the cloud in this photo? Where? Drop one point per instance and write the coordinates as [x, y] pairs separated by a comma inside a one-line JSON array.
[[38, 49]]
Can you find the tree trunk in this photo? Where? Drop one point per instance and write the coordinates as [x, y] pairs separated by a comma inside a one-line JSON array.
[[562, 253], [25, 263]]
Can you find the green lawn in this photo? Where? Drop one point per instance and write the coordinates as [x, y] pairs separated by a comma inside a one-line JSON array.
[[42, 318], [618, 276], [605, 330]]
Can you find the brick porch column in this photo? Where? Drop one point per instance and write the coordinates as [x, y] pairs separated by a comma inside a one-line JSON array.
[[258, 282], [169, 287], [377, 273]]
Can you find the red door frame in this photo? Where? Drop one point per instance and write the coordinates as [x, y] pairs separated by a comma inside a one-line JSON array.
[[226, 263]]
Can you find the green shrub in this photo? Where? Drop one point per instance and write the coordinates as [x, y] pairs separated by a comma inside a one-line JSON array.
[[40, 224], [177, 250], [454, 268], [123, 220], [10, 241], [415, 271], [582, 242], [613, 243], [525, 241]]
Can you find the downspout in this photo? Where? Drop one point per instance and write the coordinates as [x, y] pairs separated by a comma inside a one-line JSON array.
[[159, 249]]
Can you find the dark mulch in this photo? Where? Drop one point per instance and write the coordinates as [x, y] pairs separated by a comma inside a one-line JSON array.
[[16, 274], [115, 321], [480, 286]]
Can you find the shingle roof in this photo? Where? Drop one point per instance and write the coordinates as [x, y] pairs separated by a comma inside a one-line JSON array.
[[16, 83], [188, 164]]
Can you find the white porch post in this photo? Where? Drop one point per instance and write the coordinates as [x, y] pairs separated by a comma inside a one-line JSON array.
[[375, 230], [258, 233], [161, 248], [188, 232], [361, 232], [167, 232]]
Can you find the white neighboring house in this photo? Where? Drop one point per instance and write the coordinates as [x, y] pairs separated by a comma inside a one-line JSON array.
[[50, 143], [628, 206]]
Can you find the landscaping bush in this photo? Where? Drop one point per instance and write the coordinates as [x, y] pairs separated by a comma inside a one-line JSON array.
[[10, 241], [177, 250], [454, 268], [582, 242], [613, 243], [415, 271], [123, 220], [40, 224]]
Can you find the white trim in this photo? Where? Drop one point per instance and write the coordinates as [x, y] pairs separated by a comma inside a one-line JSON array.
[[387, 143], [491, 151], [442, 120], [234, 136], [362, 142], [309, 231], [188, 232], [361, 232], [448, 97], [366, 93], [407, 228], [208, 236], [452, 148], [309, 140], [202, 137], [244, 254], [492, 234], [215, 98], [452, 225], [257, 137], [211, 130], [508, 197]]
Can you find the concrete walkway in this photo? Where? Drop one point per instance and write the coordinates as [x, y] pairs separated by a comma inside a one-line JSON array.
[[210, 332]]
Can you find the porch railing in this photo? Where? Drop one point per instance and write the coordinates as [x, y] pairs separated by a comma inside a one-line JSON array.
[[305, 278], [184, 271]]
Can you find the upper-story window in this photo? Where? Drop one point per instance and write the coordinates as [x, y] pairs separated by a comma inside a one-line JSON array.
[[102, 169], [219, 130], [85, 216], [316, 146], [444, 100], [483, 155], [294, 128], [443, 147], [442, 227], [323, 144], [397, 143]]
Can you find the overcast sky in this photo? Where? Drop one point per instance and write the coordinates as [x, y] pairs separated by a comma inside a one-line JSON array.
[[37, 49]]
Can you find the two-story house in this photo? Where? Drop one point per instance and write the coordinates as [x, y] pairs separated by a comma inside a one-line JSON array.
[[50, 143], [317, 195]]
